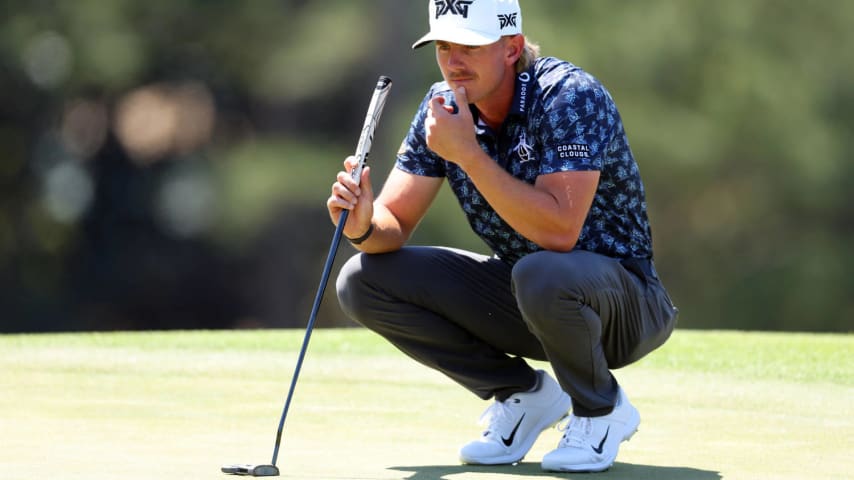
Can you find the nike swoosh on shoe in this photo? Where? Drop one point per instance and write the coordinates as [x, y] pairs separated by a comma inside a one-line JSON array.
[[509, 440], [598, 449]]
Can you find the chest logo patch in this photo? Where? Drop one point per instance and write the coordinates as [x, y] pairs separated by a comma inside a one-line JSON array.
[[524, 149]]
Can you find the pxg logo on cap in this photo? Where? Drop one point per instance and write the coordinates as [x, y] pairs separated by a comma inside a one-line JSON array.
[[472, 22], [454, 7]]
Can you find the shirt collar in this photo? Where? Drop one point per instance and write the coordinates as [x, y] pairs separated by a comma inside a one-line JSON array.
[[523, 94], [522, 99]]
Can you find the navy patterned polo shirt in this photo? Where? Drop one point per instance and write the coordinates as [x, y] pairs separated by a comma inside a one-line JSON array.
[[562, 119]]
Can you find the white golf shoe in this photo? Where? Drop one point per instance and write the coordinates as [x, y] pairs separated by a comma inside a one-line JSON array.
[[514, 424], [590, 444]]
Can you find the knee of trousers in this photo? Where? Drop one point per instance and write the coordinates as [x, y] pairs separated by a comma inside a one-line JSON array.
[[351, 289], [546, 292]]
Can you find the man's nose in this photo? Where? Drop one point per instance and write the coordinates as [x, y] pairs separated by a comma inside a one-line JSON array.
[[454, 58]]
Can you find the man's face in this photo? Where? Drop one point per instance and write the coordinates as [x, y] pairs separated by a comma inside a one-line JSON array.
[[480, 69]]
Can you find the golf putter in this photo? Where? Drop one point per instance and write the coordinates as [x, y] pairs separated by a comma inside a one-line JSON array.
[[362, 149]]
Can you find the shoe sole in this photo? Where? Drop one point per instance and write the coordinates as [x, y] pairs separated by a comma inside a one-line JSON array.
[[527, 443]]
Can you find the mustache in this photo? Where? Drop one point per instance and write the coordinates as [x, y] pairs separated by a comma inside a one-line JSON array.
[[465, 75]]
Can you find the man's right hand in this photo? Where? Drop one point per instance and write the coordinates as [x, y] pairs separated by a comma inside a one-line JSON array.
[[358, 197]]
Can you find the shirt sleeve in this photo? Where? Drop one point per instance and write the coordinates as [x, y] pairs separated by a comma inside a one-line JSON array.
[[414, 156], [577, 125]]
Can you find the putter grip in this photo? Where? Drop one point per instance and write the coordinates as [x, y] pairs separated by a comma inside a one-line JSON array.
[[375, 110]]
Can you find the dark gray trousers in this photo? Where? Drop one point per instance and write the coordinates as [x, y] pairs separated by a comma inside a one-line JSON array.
[[475, 318]]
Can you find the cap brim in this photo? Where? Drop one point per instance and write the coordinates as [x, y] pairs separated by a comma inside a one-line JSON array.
[[456, 35]]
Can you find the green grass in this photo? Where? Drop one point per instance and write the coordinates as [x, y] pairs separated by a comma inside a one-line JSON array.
[[715, 404]]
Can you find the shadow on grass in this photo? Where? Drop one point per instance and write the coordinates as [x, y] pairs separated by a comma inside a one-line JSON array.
[[531, 469]]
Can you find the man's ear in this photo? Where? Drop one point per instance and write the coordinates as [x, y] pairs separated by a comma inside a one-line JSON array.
[[514, 45]]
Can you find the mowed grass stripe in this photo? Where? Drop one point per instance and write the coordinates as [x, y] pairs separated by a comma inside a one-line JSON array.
[[802, 357]]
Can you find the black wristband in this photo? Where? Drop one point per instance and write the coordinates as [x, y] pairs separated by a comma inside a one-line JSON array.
[[356, 241]]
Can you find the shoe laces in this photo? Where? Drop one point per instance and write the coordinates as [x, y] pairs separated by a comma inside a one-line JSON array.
[[497, 417], [576, 431]]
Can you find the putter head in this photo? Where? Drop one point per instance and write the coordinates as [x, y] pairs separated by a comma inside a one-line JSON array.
[[251, 470]]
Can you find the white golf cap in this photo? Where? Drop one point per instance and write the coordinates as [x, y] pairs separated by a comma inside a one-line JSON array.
[[472, 22]]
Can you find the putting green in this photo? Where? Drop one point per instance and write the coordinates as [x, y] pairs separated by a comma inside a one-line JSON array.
[[714, 405]]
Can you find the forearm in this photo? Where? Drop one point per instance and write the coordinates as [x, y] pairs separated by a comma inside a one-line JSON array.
[[387, 234], [535, 213]]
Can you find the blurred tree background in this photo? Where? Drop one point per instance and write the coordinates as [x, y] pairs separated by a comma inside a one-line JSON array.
[[166, 164]]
